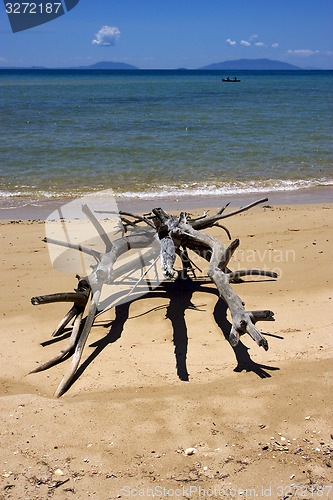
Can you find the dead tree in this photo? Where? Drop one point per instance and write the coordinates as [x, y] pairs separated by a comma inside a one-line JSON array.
[[173, 235]]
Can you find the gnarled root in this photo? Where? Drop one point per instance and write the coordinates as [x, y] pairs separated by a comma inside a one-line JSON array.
[[172, 235]]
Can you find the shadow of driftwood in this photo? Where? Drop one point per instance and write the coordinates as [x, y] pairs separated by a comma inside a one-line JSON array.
[[117, 326], [54, 340], [179, 294], [244, 361]]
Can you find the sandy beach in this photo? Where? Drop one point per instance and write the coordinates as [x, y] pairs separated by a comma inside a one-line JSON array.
[[260, 422]]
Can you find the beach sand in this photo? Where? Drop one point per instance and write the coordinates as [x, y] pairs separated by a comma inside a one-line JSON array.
[[260, 422]]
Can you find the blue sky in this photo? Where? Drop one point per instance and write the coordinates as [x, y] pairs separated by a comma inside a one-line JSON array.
[[167, 34]]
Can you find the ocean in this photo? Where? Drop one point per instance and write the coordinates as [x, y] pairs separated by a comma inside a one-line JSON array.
[[152, 134]]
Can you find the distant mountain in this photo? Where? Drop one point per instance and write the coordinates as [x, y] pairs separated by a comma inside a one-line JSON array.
[[239, 64], [21, 67], [99, 65], [254, 64], [107, 65]]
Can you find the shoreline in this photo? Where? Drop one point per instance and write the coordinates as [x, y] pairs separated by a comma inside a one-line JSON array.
[[322, 194]]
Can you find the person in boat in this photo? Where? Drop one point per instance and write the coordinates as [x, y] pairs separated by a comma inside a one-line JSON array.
[[235, 79], [228, 79]]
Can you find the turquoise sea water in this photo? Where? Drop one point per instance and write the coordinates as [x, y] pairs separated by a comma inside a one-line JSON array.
[[161, 133]]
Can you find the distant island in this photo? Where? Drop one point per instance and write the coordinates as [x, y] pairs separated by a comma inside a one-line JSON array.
[[23, 67], [239, 64], [103, 65], [252, 64], [107, 65]]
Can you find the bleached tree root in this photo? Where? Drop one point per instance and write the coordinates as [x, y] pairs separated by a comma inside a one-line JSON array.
[[80, 345], [174, 236], [68, 349]]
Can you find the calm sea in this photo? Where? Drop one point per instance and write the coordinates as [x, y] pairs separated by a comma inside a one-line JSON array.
[[152, 134]]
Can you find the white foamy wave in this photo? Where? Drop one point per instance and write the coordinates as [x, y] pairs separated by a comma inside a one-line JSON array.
[[25, 197], [228, 188], [31, 193]]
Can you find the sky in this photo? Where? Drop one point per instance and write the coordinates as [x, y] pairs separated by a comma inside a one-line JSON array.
[[170, 34]]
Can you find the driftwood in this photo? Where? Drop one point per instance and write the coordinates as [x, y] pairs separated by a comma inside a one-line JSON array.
[[172, 236]]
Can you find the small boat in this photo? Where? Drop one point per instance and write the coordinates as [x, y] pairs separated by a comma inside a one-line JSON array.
[[233, 80]]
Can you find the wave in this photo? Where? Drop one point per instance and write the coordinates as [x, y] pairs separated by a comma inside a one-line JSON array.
[[195, 189], [36, 194], [21, 198]]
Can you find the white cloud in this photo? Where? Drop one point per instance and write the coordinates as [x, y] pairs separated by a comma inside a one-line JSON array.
[[253, 40], [107, 36], [303, 52]]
